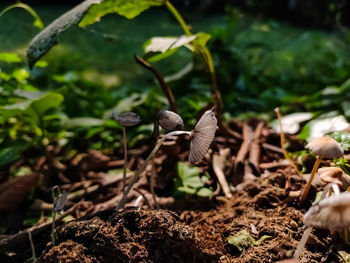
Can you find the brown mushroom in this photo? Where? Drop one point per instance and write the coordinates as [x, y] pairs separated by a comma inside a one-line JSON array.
[[126, 119], [323, 147], [202, 136], [334, 175], [331, 213], [169, 120]]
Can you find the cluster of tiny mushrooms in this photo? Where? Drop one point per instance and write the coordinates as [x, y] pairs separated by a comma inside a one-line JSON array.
[[332, 210]]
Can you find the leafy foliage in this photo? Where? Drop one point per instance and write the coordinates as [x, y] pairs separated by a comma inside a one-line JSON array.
[[189, 180], [127, 8], [243, 239]]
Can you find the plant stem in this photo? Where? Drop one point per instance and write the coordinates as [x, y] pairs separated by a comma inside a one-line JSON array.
[[125, 159], [178, 17], [277, 110], [53, 228], [153, 173], [143, 166], [304, 193], [205, 55], [34, 259]]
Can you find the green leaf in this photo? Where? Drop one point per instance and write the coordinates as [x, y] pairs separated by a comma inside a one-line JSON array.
[[12, 153], [163, 44], [343, 138], [190, 182], [244, 239], [35, 104], [47, 38], [127, 8], [10, 57], [324, 124], [204, 192]]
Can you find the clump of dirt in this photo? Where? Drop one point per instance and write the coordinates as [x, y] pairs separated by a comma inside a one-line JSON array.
[[261, 207], [132, 236]]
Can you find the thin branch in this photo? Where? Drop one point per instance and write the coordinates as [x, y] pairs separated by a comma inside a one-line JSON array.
[[165, 87]]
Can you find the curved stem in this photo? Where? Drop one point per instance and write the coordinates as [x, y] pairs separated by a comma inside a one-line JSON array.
[[125, 159], [279, 117], [143, 166], [178, 17], [304, 193], [204, 54]]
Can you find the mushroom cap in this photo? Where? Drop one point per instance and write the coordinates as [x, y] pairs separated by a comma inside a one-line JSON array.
[[169, 120], [325, 147], [127, 119], [330, 175], [331, 213], [202, 136]]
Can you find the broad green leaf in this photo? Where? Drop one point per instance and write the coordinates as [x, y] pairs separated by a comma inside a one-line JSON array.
[[190, 182], [47, 38], [163, 44], [189, 175], [243, 239], [12, 153], [20, 74], [35, 103], [324, 124], [204, 192], [127, 8], [10, 57], [154, 57]]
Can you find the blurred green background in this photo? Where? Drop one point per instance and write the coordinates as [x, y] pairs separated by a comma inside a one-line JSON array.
[[265, 56]]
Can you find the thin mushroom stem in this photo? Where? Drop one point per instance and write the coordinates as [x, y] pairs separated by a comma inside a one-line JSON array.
[[302, 242], [153, 173], [308, 230], [304, 193], [125, 158], [279, 117], [34, 259], [143, 166]]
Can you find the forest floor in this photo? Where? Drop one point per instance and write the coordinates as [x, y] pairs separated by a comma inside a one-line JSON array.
[[264, 203]]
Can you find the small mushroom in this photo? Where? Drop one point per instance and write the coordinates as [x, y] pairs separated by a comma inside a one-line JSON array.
[[169, 120], [202, 136], [324, 147], [331, 213], [126, 119], [334, 175]]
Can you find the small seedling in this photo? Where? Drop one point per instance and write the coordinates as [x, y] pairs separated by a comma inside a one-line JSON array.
[[58, 206], [201, 138], [243, 239], [324, 147], [127, 119]]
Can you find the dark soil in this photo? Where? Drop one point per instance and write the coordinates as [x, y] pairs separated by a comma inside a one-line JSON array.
[[145, 235]]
